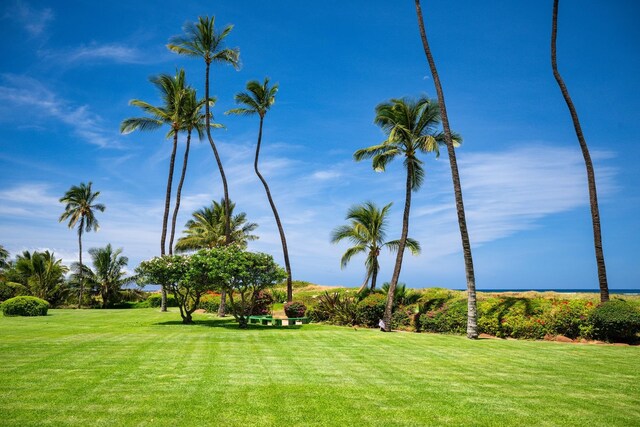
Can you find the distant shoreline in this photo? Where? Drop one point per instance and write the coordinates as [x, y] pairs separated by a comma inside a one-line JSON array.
[[561, 291]]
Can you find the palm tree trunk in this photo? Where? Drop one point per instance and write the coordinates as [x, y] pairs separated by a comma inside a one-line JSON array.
[[227, 226], [80, 262], [179, 192], [472, 311], [283, 239], [374, 273], [165, 218], [401, 245], [591, 178]]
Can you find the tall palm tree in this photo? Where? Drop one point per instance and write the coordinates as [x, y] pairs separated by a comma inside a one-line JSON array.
[[591, 177], [410, 126], [206, 229], [367, 231], [192, 119], [258, 100], [108, 272], [472, 312], [80, 209], [173, 93], [201, 40]]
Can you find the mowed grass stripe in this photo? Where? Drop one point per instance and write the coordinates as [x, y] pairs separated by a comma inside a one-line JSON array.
[[142, 367]]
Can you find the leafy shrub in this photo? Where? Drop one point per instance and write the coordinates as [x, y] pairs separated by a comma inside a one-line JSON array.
[[262, 303], [336, 308], [370, 310], [569, 318], [616, 320], [295, 309], [155, 300], [279, 296], [434, 298], [450, 317], [210, 303], [402, 295], [25, 306], [404, 317], [11, 289]]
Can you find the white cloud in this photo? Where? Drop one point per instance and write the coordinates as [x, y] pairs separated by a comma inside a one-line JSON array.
[[20, 93], [95, 52]]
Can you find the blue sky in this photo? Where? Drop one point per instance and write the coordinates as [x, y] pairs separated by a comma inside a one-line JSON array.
[[69, 69]]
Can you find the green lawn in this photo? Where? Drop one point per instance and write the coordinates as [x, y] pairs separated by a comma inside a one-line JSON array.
[[142, 367]]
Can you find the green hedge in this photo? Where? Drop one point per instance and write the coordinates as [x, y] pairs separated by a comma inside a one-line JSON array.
[[155, 300], [616, 321], [370, 310], [25, 306]]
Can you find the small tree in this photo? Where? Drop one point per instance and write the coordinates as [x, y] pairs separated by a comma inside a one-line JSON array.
[[170, 271], [244, 275]]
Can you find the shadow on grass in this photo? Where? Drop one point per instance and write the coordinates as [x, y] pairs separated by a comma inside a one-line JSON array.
[[226, 323]]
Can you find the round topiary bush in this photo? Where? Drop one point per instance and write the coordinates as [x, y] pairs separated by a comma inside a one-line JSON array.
[[616, 321], [25, 306], [371, 309], [295, 309]]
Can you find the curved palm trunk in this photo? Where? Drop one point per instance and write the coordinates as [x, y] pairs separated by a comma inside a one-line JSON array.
[[165, 218], [283, 239], [179, 192], [591, 178], [227, 226], [80, 262], [472, 311], [401, 245]]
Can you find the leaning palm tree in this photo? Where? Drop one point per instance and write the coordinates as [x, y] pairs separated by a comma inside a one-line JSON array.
[[201, 40], [367, 231], [108, 272], [80, 209], [257, 100], [591, 177], [173, 93], [472, 313], [411, 128], [206, 229], [192, 119]]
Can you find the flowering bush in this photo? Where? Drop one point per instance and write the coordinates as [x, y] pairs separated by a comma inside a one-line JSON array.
[[295, 309]]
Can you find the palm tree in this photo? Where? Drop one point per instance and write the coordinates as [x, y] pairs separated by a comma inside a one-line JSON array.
[[257, 100], [410, 126], [108, 273], [79, 209], [42, 274], [472, 312], [192, 119], [591, 177], [201, 40], [207, 229], [4, 256], [173, 93], [367, 231]]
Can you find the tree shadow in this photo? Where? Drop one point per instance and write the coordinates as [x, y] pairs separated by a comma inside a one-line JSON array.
[[226, 323]]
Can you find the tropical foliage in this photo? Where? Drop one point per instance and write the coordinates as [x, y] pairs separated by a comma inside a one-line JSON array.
[[202, 40], [80, 207], [258, 99], [206, 229], [43, 275], [367, 232], [108, 275], [411, 128]]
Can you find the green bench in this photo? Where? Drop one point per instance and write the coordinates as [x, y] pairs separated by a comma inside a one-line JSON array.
[[269, 320]]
